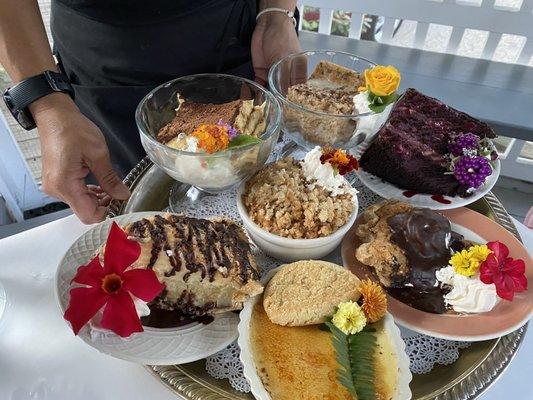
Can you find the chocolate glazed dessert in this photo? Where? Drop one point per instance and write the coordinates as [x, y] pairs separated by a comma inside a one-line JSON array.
[[405, 246], [426, 239], [206, 265]]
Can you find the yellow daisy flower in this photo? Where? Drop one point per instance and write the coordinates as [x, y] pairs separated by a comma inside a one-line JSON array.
[[479, 252], [349, 318], [464, 264]]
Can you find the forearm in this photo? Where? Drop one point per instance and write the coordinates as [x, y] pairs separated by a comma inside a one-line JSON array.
[[285, 4]]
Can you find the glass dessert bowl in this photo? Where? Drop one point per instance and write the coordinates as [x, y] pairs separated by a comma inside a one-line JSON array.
[[210, 131], [319, 109]]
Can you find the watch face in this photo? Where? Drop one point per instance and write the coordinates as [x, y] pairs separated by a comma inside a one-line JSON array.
[[23, 117]]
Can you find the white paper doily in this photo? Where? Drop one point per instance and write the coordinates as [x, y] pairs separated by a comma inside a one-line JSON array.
[[424, 351]]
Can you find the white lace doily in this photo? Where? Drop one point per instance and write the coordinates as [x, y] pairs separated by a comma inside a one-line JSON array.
[[423, 351]]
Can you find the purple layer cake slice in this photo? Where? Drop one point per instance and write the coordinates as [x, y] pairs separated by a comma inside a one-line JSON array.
[[411, 148]]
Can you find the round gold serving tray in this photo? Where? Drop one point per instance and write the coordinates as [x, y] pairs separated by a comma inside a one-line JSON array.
[[476, 369]]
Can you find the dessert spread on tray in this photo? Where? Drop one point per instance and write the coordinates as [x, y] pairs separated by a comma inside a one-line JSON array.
[[426, 146], [422, 262], [297, 356], [333, 90], [307, 199], [199, 127], [175, 269]]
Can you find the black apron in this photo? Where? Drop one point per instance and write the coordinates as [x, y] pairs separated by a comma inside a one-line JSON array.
[[115, 51]]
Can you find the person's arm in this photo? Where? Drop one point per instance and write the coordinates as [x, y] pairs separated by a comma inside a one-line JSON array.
[[274, 38], [71, 145]]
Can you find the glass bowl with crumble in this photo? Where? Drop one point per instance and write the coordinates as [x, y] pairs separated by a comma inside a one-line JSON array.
[[328, 107]]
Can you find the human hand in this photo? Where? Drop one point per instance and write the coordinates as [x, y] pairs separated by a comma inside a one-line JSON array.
[[274, 37], [72, 146]]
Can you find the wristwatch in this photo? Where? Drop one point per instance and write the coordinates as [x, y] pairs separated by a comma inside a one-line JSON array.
[[20, 96]]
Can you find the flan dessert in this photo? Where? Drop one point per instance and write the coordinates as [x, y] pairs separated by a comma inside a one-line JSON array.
[[299, 363], [206, 265], [416, 149], [295, 358], [405, 247]]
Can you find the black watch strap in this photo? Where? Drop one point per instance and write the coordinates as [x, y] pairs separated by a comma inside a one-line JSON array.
[[31, 89]]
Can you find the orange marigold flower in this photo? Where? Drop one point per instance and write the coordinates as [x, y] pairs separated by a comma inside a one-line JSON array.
[[211, 138], [339, 160], [374, 300]]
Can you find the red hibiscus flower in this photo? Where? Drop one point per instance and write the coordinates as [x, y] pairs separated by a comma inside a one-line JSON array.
[[111, 286], [507, 274]]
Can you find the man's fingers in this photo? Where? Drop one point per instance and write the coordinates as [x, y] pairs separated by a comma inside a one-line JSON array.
[[84, 203], [107, 177]]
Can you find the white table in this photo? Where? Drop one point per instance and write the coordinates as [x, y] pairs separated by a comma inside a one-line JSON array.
[[40, 358]]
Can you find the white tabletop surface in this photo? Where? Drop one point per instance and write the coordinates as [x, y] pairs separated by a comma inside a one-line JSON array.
[[41, 359]]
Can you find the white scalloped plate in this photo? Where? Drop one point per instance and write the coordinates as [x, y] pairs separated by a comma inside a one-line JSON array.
[[403, 392], [389, 191], [153, 346]]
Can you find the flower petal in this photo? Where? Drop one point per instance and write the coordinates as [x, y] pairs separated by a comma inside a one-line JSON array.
[[83, 304], [120, 315], [488, 269], [520, 283], [120, 252], [142, 283], [499, 250], [90, 274], [504, 293], [514, 267]]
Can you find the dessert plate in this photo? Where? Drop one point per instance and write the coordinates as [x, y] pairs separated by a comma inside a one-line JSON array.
[[153, 346], [504, 318], [389, 191], [403, 392]]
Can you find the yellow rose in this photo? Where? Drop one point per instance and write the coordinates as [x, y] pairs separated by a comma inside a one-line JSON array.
[[381, 80]]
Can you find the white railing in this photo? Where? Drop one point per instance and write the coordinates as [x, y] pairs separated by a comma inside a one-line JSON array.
[[482, 15]]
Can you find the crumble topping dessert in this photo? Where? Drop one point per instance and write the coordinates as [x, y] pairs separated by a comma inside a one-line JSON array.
[[199, 127], [300, 200], [427, 147], [206, 265]]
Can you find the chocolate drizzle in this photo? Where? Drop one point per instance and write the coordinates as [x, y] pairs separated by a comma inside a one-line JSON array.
[[426, 238], [202, 248]]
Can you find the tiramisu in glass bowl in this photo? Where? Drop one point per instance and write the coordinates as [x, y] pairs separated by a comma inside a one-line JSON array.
[[325, 108], [297, 210], [210, 131]]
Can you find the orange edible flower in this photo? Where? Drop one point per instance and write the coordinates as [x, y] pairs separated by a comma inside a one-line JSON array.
[[211, 138], [374, 300], [339, 159]]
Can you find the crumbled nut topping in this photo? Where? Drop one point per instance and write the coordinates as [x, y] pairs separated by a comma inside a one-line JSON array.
[[280, 200]]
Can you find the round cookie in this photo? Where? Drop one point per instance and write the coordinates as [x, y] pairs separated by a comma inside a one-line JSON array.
[[307, 292]]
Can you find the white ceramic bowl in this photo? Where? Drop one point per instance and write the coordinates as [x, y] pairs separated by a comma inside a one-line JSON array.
[[402, 392], [287, 249]]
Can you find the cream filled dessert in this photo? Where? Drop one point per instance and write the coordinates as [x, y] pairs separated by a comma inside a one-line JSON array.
[[199, 127], [302, 200], [206, 265]]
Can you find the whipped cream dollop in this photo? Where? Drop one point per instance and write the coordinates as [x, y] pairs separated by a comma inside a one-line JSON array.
[[468, 294], [369, 124], [324, 175]]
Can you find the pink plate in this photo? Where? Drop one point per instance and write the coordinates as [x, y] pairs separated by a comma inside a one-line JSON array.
[[504, 318]]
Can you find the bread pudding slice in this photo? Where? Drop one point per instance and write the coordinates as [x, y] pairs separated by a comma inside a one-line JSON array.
[[206, 265]]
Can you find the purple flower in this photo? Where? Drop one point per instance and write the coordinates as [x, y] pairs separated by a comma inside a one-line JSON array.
[[472, 171], [467, 141], [232, 131]]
